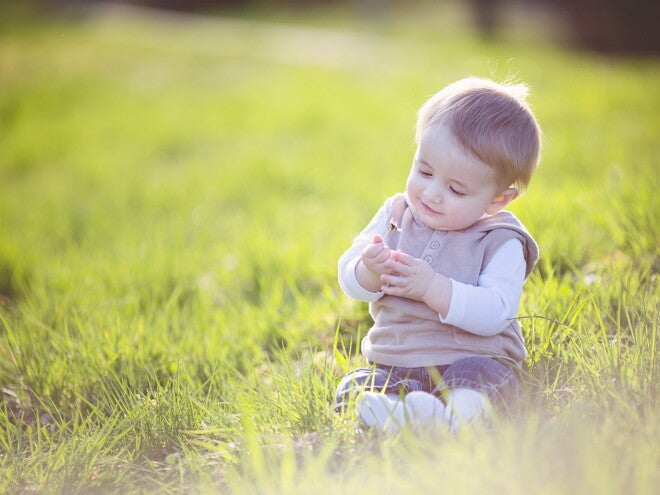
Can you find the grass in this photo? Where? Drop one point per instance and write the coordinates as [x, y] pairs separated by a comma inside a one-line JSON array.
[[173, 200]]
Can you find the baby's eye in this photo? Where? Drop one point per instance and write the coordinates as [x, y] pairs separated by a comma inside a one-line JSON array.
[[425, 173], [456, 192]]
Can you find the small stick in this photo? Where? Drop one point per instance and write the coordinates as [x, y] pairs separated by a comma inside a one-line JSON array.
[[393, 227]]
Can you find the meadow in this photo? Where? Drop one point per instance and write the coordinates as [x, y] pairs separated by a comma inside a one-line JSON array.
[[175, 193]]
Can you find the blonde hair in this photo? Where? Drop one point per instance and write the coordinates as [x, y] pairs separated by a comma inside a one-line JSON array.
[[492, 121]]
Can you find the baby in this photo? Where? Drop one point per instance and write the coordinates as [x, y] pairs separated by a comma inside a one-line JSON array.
[[444, 285]]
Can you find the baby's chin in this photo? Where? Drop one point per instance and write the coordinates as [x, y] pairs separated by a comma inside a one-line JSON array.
[[434, 225], [432, 220]]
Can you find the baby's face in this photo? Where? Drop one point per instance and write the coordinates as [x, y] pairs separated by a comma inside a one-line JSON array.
[[449, 188]]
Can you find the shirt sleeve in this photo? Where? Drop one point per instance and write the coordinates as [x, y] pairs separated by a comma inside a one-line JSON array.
[[349, 260], [485, 309]]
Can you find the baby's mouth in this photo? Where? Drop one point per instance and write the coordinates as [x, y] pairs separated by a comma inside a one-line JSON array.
[[429, 210]]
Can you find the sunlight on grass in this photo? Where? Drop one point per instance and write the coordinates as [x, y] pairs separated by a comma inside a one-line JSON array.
[[173, 199]]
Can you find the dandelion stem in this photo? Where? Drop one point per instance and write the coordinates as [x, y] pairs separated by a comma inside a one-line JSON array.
[[393, 227]]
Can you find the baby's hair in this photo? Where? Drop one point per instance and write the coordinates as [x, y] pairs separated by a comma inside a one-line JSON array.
[[492, 121]]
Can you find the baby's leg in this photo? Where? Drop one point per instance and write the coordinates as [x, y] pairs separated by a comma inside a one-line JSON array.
[[371, 379], [474, 386], [374, 392], [378, 395]]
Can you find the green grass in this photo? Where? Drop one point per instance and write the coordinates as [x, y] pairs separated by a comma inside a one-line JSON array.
[[173, 200]]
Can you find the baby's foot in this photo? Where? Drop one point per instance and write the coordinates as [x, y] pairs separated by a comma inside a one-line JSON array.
[[465, 406], [424, 412], [380, 411]]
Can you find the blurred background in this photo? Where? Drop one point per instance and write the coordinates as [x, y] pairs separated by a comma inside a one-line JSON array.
[[179, 177], [607, 26], [150, 106]]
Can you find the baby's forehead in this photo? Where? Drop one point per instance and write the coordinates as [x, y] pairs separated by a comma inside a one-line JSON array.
[[441, 136], [439, 144], [478, 143]]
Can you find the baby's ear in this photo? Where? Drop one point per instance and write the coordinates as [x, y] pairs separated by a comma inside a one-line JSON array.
[[502, 199]]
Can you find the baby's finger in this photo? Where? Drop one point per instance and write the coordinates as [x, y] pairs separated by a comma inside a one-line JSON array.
[[393, 279], [399, 268], [392, 290], [403, 258], [373, 250]]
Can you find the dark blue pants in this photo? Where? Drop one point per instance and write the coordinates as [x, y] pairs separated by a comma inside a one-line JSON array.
[[500, 381]]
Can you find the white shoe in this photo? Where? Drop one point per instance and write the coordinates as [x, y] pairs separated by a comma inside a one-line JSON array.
[[465, 406], [380, 411], [424, 412]]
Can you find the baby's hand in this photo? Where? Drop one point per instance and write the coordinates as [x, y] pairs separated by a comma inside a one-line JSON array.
[[407, 277], [376, 255]]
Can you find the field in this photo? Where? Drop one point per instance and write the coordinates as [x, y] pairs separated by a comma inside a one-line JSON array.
[[175, 193]]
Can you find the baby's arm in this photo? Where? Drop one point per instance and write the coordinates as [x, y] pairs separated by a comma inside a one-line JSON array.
[[350, 263], [484, 309]]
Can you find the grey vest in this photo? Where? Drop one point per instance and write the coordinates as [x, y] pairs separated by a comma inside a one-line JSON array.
[[409, 333]]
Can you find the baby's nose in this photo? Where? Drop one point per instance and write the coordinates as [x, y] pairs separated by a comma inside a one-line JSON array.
[[434, 193]]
